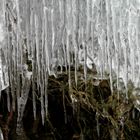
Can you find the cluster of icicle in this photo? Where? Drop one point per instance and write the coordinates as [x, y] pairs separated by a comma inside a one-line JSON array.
[[52, 33]]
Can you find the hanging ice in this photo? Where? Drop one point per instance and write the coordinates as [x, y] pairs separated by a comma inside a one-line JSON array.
[[65, 33], [4, 81]]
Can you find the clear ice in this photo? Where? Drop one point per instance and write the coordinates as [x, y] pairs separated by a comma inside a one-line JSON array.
[[65, 33]]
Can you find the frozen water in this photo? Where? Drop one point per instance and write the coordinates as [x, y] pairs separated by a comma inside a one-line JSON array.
[[4, 81], [87, 33]]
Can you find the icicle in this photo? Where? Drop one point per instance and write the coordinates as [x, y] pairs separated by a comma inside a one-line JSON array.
[[130, 46], [33, 78], [65, 55], [60, 9], [3, 11], [68, 58], [92, 32], [37, 45], [34, 99], [97, 126], [42, 87], [101, 39], [125, 51], [88, 19], [108, 43], [40, 84], [11, 70], [85, 61], [84, 55], [131, 54], [42, 105], [7, 63], [22, 101], [126, 70], [53, 32], [46, 94], [28, 29], [44, 76], [137, 40], [74, 39], [2, 45], [19, 52], [33, 63], [116, 41], [8, 100], [68, 45], [46, 40], [53, 43]]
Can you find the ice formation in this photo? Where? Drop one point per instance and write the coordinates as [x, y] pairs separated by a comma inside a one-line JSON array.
[[52, 33]]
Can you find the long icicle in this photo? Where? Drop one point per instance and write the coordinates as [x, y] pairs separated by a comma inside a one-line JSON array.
[[109, 43]]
